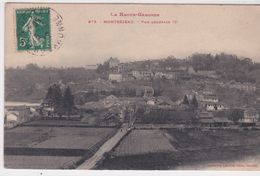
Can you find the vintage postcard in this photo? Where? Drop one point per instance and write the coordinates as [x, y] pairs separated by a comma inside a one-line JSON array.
[[132, 86]]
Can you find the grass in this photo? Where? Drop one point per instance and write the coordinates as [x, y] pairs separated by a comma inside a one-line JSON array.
[[36, 162], [212, 139], [55, 137], [51, 147], [193, 148], [143, 141]]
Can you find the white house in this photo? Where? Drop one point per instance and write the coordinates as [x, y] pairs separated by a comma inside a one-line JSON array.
[[142, 75], [214, 107], [151, 102]]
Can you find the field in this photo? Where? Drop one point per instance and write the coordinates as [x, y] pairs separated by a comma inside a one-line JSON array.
[[53, 146], [55, 137], [36, 162], [142, 142], [220, 149], [213, 139]]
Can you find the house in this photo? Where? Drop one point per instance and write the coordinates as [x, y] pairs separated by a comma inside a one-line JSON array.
[[122, 68], [46, 108], [164, 102], [136, 74], [113, 62], [163, 75], [248, 87], [148, 91], [144, 91], [250, 117], [45, 103], [210, 98], [251, 113], [210, 106], [115, 77], [206, 122], [158, 75], [215, 122], [127, 76], [142, 75], [207, 119], [151, 101], [205, 115], [221, 121]]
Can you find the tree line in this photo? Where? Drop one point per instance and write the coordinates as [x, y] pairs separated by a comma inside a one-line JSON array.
[[62, 102], [229, 67]]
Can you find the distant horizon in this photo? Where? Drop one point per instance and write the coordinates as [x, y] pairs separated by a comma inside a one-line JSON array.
[[122, 60]]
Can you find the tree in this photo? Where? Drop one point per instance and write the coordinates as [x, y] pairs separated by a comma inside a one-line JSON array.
[[49, 97], [185, 100], [202, 61], [194, 102], [68, 101], [54, 98], [57, 99], [103, 68]]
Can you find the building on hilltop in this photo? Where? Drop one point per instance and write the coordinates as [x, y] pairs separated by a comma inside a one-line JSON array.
[[113, 62]]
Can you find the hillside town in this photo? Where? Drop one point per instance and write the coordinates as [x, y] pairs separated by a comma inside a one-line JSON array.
[[167, 98], [146, 88]]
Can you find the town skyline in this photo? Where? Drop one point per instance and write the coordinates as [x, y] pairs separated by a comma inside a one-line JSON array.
[[124, 60]]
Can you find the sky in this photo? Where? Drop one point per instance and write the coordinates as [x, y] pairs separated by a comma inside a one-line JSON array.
[[213, 29]]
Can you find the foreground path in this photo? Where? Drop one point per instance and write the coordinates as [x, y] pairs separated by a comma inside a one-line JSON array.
[[106, 147]]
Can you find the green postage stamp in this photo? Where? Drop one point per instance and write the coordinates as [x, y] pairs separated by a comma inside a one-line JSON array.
[[33, 29]]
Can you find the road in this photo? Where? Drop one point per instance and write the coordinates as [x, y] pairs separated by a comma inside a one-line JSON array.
[[106, 147]]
